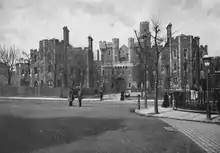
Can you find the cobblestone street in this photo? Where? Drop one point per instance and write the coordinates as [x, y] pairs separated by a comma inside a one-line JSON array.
[[207, 136]]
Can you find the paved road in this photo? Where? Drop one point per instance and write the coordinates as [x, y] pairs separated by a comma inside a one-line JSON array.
[[45, 127]]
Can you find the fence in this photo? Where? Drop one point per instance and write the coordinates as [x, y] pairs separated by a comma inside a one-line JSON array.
[[183, 100]]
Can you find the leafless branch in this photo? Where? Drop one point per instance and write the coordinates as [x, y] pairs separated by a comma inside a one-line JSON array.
[[8, 57]]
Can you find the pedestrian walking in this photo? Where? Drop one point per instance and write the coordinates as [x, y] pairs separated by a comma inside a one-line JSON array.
[[101, 93], [70, 97], [80, 94]]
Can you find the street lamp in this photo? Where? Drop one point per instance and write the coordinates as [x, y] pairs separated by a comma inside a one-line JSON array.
[[207, 62]]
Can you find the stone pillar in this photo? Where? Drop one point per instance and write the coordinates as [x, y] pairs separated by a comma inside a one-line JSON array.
[[115, 50], [97, 55], [131, 51]]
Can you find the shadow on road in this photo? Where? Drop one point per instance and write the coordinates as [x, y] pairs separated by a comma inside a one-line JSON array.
[[25, 135]]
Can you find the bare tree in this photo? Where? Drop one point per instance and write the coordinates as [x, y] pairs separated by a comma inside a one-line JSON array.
[[9, 57], [27, 59], [79, 67], [143, 57], [159, 44]]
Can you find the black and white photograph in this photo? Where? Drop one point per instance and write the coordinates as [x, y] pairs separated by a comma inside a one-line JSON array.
[[109, 76]]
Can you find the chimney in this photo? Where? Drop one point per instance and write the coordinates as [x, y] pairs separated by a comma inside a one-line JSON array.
[[97, 55], [66, 35], [90, 43], [169, 33], [144, 27], [206, 49]]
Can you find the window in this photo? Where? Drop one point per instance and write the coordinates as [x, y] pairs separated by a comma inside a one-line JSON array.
[[194, 66], [129, 72], [123, 71], [109, 52], [175, 80], [185, 53], [103, 72], [129, 84], [35, 70], [175, 66], [174, 53], [112, 71]]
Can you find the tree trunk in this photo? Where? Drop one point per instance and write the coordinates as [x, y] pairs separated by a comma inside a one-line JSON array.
[[142, 93], [55, 79], [9, 77], [156, 98]]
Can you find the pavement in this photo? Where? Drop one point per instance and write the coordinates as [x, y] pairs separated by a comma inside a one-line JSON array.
[[170, 113]]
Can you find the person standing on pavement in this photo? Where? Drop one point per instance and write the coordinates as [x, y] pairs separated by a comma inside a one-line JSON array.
[[80, 96], [166, 100]]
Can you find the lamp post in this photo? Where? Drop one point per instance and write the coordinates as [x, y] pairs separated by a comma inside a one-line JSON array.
[[185, 77], [207, 61]]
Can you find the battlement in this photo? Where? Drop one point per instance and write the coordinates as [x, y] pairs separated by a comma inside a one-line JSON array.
[[109, 44], [102, 44], [130, 42], [144, 22]]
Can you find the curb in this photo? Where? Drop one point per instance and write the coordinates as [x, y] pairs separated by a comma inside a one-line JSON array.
[[204, 121], [195, 111], [64, 99]]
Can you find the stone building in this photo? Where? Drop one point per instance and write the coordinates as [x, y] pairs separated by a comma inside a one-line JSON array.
[[182, 61], [118, 62], [54, 57]]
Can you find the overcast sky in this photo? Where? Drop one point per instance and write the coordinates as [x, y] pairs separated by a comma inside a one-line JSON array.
[[25, 22]]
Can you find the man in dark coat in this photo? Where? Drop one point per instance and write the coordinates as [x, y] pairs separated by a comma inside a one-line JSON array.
[[101, 93], [70, 97], [80, 96], [166, 100]]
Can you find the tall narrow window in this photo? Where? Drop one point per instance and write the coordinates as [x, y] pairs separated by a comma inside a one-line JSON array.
[[174, 53], [175, 67], [185, 53]]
